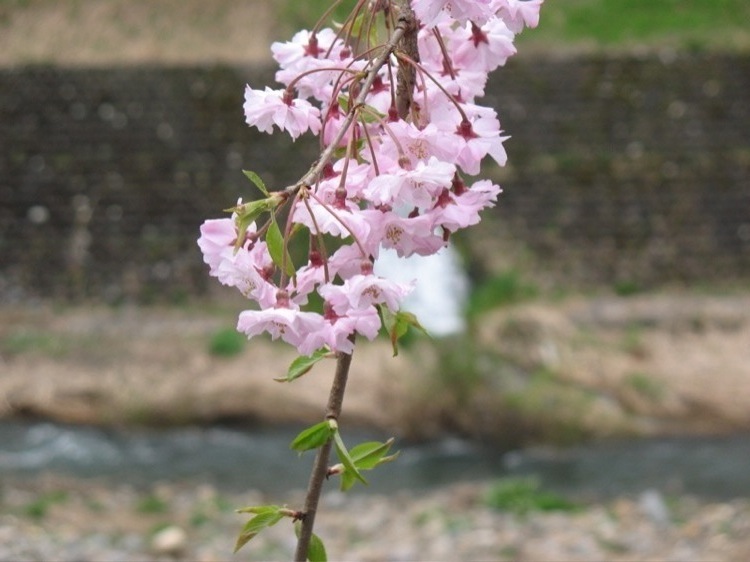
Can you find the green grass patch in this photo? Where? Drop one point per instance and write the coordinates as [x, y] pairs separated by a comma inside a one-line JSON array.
[[38, 508], [524, 495], [152, 505], [691, 24], [304, 15], [626, 288], [34, 341], [551, 410], [226, 342], [504, 289], [633, 342], [681, 23], [458, 372], [646, 385]]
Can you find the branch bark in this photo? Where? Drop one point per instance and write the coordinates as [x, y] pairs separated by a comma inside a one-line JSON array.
[[320, 467], [404, 37], [407, 73]]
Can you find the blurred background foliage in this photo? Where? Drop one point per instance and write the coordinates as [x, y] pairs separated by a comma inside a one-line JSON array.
[[693, 24], [187, 30]]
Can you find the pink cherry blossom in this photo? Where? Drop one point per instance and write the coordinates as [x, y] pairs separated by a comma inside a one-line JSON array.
[[337, 331], [409, 235], [362, 291], [305, 44], [461, 10], [264, 109], [333, 120], [417, 144], [415, 187], [391, 183], [478, 139], [518, 13], [217, 238], [347, 260], [457, 211], [248, 271], [290, 325], [313, 80], [361, 321], [306, 279], [487, 47], [330, 220]]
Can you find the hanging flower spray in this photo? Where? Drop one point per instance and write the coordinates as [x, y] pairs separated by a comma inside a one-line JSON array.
[[391, 94]]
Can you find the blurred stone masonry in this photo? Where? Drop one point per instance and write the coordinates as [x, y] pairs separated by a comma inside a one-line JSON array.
[[622, 170]]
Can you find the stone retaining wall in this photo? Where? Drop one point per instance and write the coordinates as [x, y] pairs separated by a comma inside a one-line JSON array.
[[622, 170]]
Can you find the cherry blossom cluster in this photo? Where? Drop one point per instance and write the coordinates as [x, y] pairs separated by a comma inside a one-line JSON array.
[[391, 180]]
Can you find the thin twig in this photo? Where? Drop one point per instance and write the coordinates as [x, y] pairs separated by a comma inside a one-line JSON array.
[[404, 26]]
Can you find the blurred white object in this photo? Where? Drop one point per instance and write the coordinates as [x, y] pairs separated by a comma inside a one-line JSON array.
[[439, 299]]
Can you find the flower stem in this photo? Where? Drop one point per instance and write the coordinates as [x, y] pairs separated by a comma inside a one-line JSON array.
[[320, 467], [406, 23]]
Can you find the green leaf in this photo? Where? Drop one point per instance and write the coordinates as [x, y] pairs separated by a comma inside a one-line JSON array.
[[398, 324], [258, 509], [356, 29], [266, 518], [344, 104], [278, 250], [342, 151], [317, 551], [367, 456], [347, 480], [246, 215], [248, 212], [368, 114], [346, 458], [356, 25], [255, 178], [313, 437], [302, 365]]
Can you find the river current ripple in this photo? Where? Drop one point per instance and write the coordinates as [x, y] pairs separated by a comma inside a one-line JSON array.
[[237, 459]]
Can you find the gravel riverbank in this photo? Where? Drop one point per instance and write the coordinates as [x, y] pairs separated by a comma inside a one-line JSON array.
[[76, 520]]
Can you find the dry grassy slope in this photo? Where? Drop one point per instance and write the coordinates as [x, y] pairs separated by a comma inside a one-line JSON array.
[[647, 365], [95, 32]]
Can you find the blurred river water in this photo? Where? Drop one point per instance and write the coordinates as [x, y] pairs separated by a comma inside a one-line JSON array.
[[241, 459]]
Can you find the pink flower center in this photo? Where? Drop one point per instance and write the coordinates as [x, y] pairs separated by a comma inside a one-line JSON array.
[[312, 49], [378, 86], [466, 130], [444, 199], [459, 187], [316, 260], [393, 233], [329, 314], [477, 35], [282, 299], [328, 171]]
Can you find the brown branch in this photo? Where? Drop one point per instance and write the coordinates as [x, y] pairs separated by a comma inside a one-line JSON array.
[[407, 73], [404, 38], [320, 467]]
